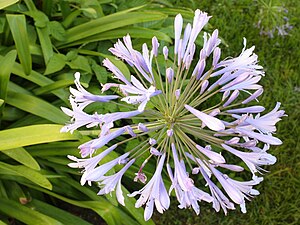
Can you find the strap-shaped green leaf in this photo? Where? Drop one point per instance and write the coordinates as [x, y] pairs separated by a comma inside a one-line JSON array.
[[31, 135], [38, 79], [52, 87], [22, 156], [23, 171], [111, 214], [135, 32], [41, 24], [6, 3], [17, 24], [2, 223], [6, 64], [36, 106], [56, 213], [110, 22], [24, 214]]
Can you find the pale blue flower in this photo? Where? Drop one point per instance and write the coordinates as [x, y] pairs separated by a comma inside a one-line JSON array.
[[110, 183], [195, 98], [154, 192]]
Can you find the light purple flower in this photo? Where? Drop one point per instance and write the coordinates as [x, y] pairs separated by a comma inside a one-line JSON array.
[[245, 62], [250, 109], [266, 123], [219, 199], [211, 43], [132, 57], [155, 46], [97, 173], [79, 118], [110, 183], [142, 95], [237, 190], [141, 177], [186, 192], [154, 192], [266, 138], [90, 163], [215, 157], [253, 159], [89, 147], [177, 101], [169, 74], [84, 98], [165, 52], [210, 121], [117, 73]]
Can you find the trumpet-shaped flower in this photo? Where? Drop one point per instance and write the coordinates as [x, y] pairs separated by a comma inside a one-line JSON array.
[[169, 110], [154, 192]]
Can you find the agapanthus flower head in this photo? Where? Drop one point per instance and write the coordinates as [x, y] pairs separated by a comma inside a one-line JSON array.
[[193, 120]]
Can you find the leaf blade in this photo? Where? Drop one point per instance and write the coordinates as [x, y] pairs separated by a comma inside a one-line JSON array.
[[31, 135], [22, 156], [36, 106], [26, 215], [17, 24]]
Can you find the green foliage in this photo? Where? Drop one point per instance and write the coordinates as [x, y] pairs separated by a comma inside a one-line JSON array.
[[278, 203], [42, 44]]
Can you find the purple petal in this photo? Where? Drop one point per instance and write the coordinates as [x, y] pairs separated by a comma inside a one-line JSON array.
[[210, 121]]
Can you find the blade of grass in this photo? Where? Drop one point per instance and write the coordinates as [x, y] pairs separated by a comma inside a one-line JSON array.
[[110, 213]]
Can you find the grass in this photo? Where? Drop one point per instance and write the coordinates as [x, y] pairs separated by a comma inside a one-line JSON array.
[[279, 201]]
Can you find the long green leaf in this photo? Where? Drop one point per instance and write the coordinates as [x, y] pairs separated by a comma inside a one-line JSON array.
[[22, 156], [110, 213], [17, 24], [36, 106], [2, 223], [24, 214], [31, 135], [46, 44], [6, 65], [38, 79], [110, 22], [26, 172], [56, 213], [52, 87], [41, 24], [135, 32], [6, 3]]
